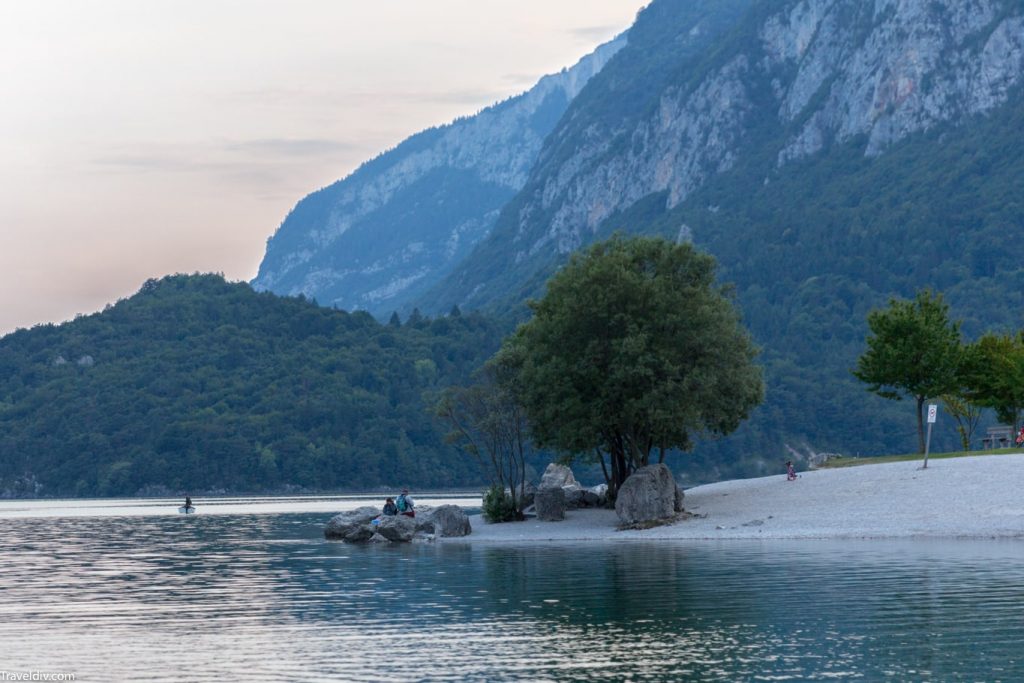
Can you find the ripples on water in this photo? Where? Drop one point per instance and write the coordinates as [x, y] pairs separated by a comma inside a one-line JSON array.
[[264, 597]]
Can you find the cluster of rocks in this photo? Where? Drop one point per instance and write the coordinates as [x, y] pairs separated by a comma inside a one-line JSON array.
[[358, 526], [559, 491], [650, 494]]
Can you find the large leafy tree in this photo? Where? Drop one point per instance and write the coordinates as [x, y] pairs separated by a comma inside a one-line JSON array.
[[914, 351], [994, 375], [633, 348]]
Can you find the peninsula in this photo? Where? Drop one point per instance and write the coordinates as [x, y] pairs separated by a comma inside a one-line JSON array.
[[967, 497]]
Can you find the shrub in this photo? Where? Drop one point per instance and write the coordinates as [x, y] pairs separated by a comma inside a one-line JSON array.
[[497, 506]]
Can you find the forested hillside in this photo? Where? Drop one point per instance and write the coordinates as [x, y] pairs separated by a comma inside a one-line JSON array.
[[198, 385]]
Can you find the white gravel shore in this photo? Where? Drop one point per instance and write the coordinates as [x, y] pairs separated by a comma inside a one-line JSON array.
[[969, 497]]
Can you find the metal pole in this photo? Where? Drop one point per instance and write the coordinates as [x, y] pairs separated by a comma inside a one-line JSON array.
[[927, 446]]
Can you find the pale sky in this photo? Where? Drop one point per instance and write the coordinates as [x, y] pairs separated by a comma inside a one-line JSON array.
[[140, 138]]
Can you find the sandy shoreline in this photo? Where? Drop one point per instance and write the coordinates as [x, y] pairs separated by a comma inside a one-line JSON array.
[[970, 497]]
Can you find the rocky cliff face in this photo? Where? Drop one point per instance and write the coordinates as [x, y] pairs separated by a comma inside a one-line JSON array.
[[399, 223], [784, 80]]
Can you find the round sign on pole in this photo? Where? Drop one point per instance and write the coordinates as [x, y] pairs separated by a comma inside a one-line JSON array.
[[933, 411]]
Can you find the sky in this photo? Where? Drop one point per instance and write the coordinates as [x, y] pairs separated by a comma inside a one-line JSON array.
[[140, 138]]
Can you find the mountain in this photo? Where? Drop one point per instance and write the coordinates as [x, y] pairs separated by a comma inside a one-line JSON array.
[[829, 153], [384, 235], [745, 90], [196, 385]]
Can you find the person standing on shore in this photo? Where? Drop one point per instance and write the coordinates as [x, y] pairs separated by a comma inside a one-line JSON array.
[[790, 472]]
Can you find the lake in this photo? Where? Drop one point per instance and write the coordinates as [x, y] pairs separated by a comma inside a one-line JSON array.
[[248, 589]]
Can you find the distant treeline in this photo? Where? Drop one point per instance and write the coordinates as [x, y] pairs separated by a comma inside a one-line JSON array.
[[196, 385]]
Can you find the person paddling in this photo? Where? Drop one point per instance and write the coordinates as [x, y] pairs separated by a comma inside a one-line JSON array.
[[188, 503], [405, 504]]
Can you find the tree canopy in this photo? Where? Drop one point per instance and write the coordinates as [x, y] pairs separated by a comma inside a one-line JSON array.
[[634, 347], [914, 351], [993, 375]]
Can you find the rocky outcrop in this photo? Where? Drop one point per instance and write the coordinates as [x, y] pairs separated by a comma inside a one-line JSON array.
[[549, 504], [397, 529], [822, 72], [573, 495], [648, 495], [557, 476], [352, 526], [365, 525], [449, 521]]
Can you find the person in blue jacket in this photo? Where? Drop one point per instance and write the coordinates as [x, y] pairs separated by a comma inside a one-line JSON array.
[[405, 504]]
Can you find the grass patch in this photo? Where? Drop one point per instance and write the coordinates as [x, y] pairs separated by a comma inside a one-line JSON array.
[[834, 463]]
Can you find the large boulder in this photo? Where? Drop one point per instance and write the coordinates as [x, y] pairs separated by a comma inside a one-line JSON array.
[[450, 521], [649, 494], [397, 529], [557, 476], [350, 526], [600, 492], [550, 504]]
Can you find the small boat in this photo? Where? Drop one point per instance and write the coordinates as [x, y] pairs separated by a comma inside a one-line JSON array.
[[187, 510]]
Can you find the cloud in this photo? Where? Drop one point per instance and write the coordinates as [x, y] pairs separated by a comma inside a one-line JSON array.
[[288, 147], [592, 35], [223, 156], [291, 97], [156, 163]]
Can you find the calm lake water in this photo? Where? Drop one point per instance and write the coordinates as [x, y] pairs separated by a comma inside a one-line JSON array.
[[248, 590]]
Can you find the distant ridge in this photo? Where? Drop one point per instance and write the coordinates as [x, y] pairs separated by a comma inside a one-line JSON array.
[[379, 238]]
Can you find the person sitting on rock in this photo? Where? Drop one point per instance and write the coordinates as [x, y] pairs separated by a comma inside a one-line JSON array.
[[390, 509], [404, 504]]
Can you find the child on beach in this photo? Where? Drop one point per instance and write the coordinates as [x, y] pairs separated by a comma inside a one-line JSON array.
[[790, 472]]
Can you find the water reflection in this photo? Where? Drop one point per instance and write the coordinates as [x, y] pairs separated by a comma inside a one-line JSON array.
[[264, 597]]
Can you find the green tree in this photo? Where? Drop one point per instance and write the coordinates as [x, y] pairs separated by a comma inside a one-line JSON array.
[[914, 350], [994, 375], [634, 347]]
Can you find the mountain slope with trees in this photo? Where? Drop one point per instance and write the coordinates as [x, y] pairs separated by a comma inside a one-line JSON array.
[[829, 154]]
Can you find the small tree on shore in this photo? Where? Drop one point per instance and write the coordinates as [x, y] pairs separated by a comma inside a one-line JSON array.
[[486, 422], [966, 414], [913, 351]]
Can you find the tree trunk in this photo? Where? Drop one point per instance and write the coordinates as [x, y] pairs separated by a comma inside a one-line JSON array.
[[604, 469]]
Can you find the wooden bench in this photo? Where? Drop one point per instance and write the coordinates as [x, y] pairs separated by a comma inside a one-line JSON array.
[[999, 436]]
